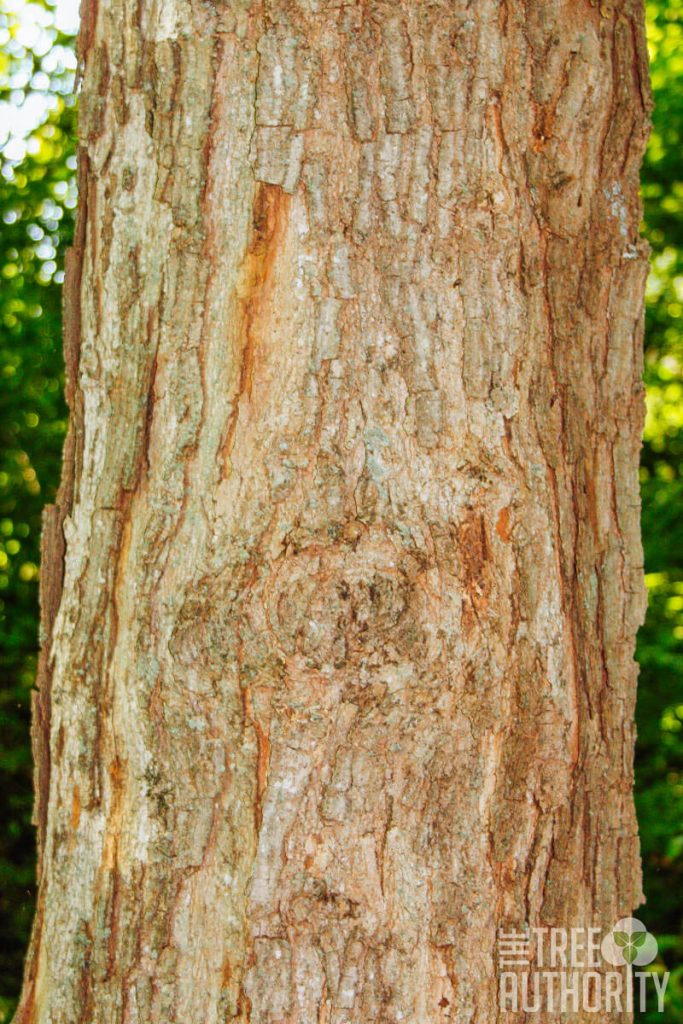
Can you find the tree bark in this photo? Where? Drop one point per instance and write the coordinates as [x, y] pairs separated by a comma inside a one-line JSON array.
[[341, 588]]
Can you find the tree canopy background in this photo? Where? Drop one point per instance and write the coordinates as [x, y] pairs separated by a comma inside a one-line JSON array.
[[37, 203]]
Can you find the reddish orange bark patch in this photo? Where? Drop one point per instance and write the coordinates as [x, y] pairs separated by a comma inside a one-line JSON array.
[[503, 528], [75, 809], [269, 220], [271, 208]]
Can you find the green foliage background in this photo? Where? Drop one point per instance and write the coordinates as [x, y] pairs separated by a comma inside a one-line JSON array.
[[659, 755], [37, 200]]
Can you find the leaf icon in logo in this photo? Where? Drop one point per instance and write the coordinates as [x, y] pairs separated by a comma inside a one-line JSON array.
[[629, 942], [630, 953]]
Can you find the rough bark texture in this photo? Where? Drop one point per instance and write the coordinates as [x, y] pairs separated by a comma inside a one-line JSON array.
[[342, 585]]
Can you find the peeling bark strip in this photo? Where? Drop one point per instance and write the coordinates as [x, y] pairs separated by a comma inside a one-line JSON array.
[[339, 676]]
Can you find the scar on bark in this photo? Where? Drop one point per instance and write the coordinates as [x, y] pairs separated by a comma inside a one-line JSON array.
[[475, 555], [269, 220], [474, 547]]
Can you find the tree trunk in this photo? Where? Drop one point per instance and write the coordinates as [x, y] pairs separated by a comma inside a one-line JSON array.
[[341, 588]]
